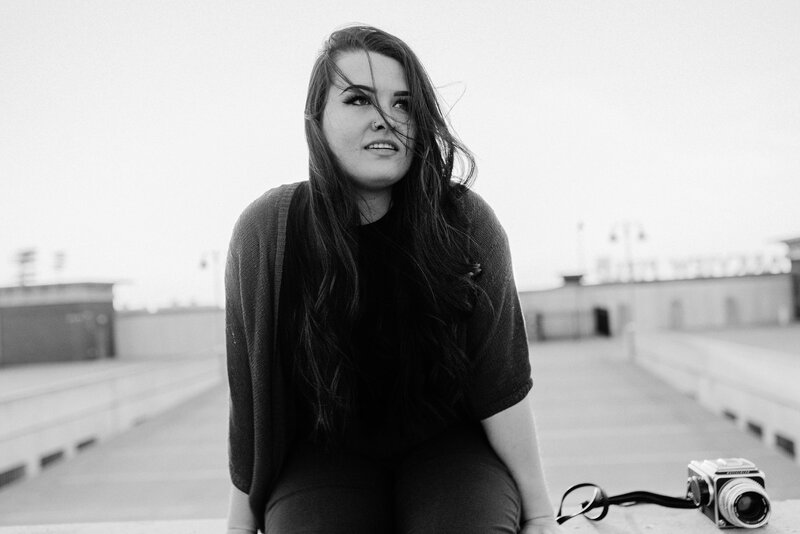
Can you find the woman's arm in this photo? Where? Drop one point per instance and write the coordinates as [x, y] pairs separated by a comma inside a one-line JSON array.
[[512, 434], [240, 518]]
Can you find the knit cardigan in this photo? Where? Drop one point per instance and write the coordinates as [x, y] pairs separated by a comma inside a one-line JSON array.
[[261, 426]]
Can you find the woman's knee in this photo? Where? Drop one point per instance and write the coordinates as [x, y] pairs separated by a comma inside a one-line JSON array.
[[330, 494], [458, 500], [460, 486], [330, 510]]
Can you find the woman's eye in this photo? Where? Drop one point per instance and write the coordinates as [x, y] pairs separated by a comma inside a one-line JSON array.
[[357, 100], [402, 104]]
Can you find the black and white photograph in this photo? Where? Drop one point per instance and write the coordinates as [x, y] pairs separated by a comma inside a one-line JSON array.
[[457, 267]]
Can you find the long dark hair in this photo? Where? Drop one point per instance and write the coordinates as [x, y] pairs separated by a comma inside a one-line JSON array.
[[434, 242]]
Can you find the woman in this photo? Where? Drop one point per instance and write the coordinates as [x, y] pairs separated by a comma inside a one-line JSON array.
[[377, 358]]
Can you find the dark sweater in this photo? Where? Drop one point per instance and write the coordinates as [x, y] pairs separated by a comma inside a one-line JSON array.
[[398, 399], [261, 425]]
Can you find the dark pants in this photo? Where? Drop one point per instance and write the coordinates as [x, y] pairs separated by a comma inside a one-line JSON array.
[[454, 483]]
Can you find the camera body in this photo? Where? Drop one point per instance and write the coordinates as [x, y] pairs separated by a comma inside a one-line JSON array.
[[730, 492]]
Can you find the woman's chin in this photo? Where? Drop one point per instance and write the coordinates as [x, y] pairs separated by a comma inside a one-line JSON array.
[[375, 185]]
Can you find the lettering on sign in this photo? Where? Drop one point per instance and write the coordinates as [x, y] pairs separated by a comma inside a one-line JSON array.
[[650, 269]]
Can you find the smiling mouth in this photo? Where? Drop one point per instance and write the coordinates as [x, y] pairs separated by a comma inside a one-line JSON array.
[[382, 146]]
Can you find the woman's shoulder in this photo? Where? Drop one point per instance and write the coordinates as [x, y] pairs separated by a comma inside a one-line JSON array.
[[487, 237], [270, 202], [268, 212], [479, 214]]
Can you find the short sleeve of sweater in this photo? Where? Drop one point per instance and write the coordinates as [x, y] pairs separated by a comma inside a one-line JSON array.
[[256, 421], [500, 375]]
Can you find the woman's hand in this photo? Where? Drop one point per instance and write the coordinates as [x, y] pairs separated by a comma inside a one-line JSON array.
[[541, 525]]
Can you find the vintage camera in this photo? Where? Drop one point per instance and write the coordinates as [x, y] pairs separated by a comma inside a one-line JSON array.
[[730, 491]]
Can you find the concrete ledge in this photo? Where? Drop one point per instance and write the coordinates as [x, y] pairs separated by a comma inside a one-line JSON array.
[[54, 411], [755, 387], [651, 519], [197, 526], [643, 519]]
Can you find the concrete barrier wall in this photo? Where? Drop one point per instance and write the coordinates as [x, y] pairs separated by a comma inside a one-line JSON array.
[[698, 303], [755, 387], [69, 406], [141, 335]]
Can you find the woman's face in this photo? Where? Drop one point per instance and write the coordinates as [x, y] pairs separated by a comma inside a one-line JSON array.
[[367, 150]]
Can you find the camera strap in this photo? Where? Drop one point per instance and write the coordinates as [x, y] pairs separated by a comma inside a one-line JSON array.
[[645, 497], [601, 500]]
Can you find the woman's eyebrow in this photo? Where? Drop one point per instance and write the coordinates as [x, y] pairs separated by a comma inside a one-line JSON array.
[[368, 89]]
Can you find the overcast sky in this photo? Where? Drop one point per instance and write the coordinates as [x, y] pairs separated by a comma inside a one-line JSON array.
[[132, 134]]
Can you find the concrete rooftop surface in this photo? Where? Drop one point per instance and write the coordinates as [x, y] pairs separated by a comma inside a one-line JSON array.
[[601, 419], [646, 519]]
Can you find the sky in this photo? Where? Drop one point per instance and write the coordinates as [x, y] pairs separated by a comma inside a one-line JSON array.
[[132, 134]]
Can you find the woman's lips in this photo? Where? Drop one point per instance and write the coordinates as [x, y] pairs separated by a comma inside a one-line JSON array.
[[382, 146]]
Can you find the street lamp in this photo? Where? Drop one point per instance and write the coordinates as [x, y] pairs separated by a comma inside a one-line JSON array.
[[212, 257], [628, 232]]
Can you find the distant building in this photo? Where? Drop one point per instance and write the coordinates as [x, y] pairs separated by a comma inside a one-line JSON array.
[[794, 256], [576, 310], [56, 322]]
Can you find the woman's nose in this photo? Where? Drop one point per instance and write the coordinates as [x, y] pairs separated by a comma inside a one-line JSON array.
[[378, 122]]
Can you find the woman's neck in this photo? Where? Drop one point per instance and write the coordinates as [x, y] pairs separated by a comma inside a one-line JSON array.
[[372, 205]]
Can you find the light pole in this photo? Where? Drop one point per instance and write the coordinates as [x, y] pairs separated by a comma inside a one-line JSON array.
[[26, 260], [579, 256], [627, 232], [217, 324], [213, 258]]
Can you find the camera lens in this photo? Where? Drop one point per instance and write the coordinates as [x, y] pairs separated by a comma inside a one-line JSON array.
[[747, 508], [744, 503]]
